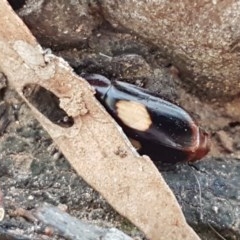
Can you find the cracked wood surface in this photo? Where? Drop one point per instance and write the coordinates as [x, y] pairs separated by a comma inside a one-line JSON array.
[[95, 146]]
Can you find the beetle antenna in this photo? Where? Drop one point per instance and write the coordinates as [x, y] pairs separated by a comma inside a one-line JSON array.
[[216, 232], [200, 195]]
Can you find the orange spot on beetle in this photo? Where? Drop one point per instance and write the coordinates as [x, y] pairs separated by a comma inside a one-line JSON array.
[[133, 115]]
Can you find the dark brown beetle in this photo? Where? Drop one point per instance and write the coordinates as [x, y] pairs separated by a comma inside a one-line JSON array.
[[162, 130]]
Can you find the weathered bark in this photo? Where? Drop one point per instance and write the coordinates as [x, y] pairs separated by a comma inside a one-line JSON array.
[[5, 235], [74, 229], [94, 145]]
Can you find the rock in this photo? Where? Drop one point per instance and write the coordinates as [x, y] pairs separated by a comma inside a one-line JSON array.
[[202, 39], [209, 196], [59, 23]]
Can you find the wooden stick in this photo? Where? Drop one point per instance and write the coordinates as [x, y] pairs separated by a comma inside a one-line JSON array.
[[72, 228]]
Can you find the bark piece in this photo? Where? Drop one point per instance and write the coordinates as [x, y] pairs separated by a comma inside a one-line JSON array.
[[74, 229], [94, 145], [5, 235]]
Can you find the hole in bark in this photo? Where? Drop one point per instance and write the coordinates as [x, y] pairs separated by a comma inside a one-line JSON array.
[[16, 4], [48, 104], [234, 124]]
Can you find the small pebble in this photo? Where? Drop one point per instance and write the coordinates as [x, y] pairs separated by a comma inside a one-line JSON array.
[[215, 209], [63, 207], [2, 213], [31, 197], [57, 155]]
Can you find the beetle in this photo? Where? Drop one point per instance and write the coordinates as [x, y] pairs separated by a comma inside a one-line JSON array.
[[162, 130]]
